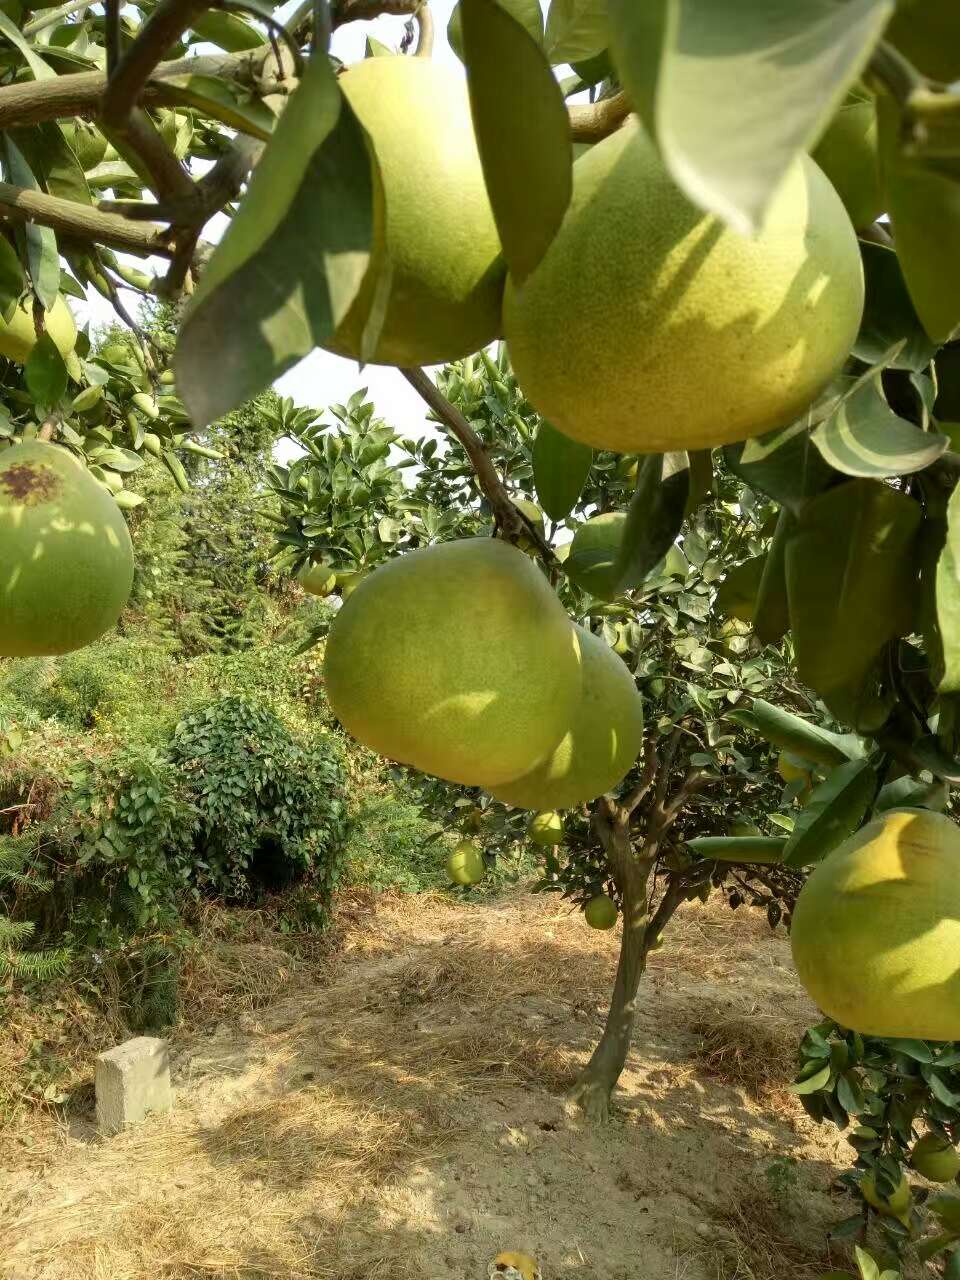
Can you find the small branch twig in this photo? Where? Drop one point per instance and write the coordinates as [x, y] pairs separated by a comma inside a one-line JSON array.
[[52, 16], [593, 122], [673, 896], [666, 764], [508, 518], [632, 801], [82, 222]]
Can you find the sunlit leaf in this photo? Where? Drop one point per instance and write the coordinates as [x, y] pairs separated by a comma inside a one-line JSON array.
[[833, 811], [576, 30], [864, 437]]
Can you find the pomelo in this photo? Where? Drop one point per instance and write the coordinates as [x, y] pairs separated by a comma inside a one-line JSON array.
[[791, 770], [86, 141], [546, 828], [458, 659], [18, 337], [465, 865], [935, 1158], [876, 929], [896, 1205], [601, 912], [347, 583], [650, 326], [318, 579], [847, 154], [594, 549], [436, 236], [66, 560], [601, 742]]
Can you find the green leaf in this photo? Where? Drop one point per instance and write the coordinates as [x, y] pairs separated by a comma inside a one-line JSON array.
[[748, 849], [33, 60], [654, 517], [737, 593], [43, 258], [812, 1083], [12, 279], [849, 1094], [45, 372], [576, 30], [833, 812], [864, 437], [263, 302], [228, 32], [771, 619], [220, 100], [918, 1050], [923, 199], [908, 793], [948, 598], [791, 733], [522, 129], [785, 465], [865, 1264], [560, 470], [53, 162], [852, 580], [889, 316], [376, 49], [733, 100], [527, 12], [946, 1209]]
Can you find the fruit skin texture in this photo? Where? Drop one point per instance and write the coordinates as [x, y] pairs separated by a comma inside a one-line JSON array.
[[438, 232], [546, 828], [876, 929], [19, 337], [317, 579], [897, 1205], [649, 326], [66, 560], [847, 154], [935, 1158], [457, 659], [600, 912], [465, 865], [602, 741]]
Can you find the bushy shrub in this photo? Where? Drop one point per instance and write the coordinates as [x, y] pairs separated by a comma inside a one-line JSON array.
[[271, 808], [393, 845]]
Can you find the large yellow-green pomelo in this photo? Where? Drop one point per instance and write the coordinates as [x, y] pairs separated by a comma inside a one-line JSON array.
[[457, 659], [465, 864], [649, 326], [847, 154], [19, 336], [600, 745], [876, 929], [66, 561], [935, 1158], [601, 912], [437, 236], [927, 32]]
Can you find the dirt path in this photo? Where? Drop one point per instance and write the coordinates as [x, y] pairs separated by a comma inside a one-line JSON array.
[[407, 1120]]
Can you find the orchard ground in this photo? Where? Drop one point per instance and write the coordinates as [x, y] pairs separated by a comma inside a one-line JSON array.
[[393, 1108]]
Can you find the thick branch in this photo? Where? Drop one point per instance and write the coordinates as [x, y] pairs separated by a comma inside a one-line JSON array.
[[594, 121], [80, 221], [508, 518]]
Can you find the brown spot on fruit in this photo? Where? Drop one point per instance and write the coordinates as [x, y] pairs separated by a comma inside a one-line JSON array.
[[30, 483]]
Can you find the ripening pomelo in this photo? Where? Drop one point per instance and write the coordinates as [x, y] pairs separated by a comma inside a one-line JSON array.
[[601, 742], [465, 865], [348, 582], [437, 236], [458, 659], [896, 1205], [546, 828], [847, 154], [600, 912], [876, 929], [935, 1158], [318, 579], [18, 336], [66, 560], [650, 326]]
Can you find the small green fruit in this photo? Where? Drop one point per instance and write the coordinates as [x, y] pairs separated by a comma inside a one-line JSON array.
[[935, 1158], [546, 828], [896, 1205], [347, 583], [601, 912], [317, 579], [465, 865], [744, 828]]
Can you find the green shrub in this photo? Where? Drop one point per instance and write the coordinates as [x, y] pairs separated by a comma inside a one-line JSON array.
[[271, 809], [393, 846]]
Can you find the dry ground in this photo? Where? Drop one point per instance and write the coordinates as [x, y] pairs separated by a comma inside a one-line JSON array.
[[403, 1117]]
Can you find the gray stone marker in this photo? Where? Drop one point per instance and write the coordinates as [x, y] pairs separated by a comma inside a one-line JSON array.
[[132, 1082]]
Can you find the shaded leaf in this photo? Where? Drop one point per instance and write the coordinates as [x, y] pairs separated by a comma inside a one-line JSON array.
[[220, 100], [833, 812], [889, 316], [522, 129], [12, 279], [737, 593], [786, 465], [948, 598], [771, 619], [560, 470], [227, 31], [791, 733], [43, 258], [864, 437], [45, 372], [654, 517], [53, 162], [909, 793]]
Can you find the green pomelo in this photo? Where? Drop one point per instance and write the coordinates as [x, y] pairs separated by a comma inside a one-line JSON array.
[[436, 236], [66, 561], [876, 929], [927, 33], [347, 583], [593, 554], [19, 336], [935, 1158], [317, 579], [86, 141], [600, 745], [600, 912], [896, 1205], [649, 326], [847, 154], [546, 828], [790, 771], [465, 865], [743, 827], [457, 659]]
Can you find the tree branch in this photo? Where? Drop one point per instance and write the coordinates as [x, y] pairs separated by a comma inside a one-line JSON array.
[[425, 38], [508, 518], [666, 764], [80, 221], [595, 121], [673, 896], [633, 799]]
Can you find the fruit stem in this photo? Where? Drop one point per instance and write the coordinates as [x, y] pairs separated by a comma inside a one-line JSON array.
[[425, 25]]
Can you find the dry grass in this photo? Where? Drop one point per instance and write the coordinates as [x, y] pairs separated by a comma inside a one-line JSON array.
[[753, 1049], [753, 1242]]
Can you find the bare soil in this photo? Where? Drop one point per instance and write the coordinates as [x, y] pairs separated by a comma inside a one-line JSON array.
[[405, 1117]]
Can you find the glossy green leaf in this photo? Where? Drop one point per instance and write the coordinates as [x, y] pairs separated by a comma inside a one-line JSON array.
[[263, 302], [746, 849], [522, 129], [865, 1264], [576, 30], [909, 793], [889, 316], [228, 31], [864, 437], [527, 12], [40, 243], [924, 205], [852, 580], [10, 31], [948, 598], [219, 99], [792, 733], [737, 593], [45, 372], [771, 619], [850, 1094], [733, 98], [560, 470], [812, 1082], [834, 810], [12, 279], [654, 517]]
